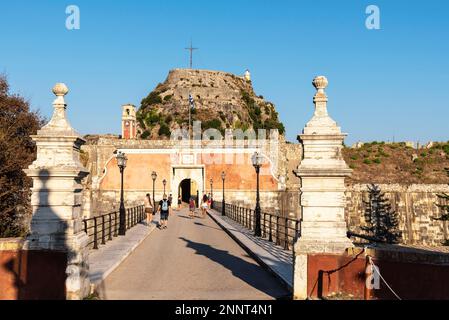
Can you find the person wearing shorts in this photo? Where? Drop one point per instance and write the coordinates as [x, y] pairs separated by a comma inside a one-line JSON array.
[[204, 206], [148, 208], [164, 209]]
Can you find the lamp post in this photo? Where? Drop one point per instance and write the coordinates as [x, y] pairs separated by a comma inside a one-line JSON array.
[[211, 192], [257, 163], [154, 176], [223, 212], [165, 183], [121, 162]]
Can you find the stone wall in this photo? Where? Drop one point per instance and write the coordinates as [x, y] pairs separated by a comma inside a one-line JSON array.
[[31, 274], [415, 205], [102, 187]]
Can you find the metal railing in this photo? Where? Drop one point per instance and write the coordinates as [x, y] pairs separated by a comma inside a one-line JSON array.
[[104, 228], [283, 231]]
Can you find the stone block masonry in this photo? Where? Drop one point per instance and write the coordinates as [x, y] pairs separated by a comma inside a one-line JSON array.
[[416, 206]]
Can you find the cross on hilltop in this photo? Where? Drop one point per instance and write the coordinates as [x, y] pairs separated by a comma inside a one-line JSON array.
[[191, 49]]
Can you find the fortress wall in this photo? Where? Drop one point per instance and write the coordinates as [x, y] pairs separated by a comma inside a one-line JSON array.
[[415, 205], [144, 156]]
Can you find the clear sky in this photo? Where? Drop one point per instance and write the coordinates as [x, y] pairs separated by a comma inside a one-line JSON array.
[[392, 82]]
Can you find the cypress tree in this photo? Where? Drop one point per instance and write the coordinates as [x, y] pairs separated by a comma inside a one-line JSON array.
[[382, 223]]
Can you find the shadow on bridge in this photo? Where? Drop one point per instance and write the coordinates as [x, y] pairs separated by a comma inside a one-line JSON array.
[[246, 271]]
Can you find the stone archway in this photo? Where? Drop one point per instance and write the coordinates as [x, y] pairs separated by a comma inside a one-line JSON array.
[[187, 188], [186, 173]]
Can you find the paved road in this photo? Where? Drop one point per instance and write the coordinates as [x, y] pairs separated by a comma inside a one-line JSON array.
[[192, 259]]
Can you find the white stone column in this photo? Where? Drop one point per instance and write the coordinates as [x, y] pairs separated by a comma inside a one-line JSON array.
[[322, 172], [57, 195]]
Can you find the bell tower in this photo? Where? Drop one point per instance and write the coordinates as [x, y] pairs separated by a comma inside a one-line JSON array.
[[129, 123]]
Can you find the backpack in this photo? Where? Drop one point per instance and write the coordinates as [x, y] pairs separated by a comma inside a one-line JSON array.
[[164, 205]]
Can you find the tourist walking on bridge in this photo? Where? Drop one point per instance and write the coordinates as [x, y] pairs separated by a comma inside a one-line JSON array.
[[191, 208], [164, 209], [204, 206], [149, 209]]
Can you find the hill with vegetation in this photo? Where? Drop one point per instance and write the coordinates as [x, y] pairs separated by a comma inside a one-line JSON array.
[[380, 162], [222, 100]]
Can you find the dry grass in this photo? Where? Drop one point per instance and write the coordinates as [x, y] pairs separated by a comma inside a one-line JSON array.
[[395, 163]]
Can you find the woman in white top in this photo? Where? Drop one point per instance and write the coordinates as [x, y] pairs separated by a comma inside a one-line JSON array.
[[204, 206]]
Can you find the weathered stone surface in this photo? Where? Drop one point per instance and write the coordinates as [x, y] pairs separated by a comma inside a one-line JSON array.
[[415, 205], [57, 197], [322, 172]]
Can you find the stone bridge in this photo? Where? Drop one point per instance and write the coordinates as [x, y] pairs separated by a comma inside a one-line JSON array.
[[215, 257]]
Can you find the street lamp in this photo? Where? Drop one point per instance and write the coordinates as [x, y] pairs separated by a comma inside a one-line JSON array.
[[257, 163], [121, 163], [165, 183], [154, 176], [223, 212]]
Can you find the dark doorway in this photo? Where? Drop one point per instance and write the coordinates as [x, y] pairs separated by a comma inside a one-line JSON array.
[[185, 190]]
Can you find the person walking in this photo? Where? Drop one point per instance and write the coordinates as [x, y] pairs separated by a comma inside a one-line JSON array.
[[149, 209], [179, 201], [191, 208], [204, 206], [164, 209]]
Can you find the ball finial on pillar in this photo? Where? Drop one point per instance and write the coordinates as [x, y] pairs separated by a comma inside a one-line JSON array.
[[60, 89], [320, 83]]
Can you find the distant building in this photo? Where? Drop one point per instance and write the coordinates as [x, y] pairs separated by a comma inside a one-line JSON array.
[[129, 122], [247, 75]]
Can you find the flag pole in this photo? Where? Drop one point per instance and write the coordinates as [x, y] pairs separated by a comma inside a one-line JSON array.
[[190, 120]]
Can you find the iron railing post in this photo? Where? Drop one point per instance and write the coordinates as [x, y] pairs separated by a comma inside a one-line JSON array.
[[103, 240], [277, 231], [95, 234], [110, 227], [270, 236], [286, 244]]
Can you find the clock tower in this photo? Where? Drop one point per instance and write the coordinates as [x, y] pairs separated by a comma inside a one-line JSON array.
[[129, 123]]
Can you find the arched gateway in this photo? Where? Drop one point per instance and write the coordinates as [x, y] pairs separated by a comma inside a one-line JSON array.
[[187, 181]]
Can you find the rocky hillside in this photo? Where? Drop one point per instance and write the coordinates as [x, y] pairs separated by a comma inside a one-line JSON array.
[[379, 162], [222, 100]]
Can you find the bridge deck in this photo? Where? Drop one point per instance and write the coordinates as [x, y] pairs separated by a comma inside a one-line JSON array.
[[192, 259]]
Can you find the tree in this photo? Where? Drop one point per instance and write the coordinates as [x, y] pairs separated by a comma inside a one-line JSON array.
[[443, 204], [382, 223], [17, 151]]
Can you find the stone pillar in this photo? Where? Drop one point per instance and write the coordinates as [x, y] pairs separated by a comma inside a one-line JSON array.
[[56, 224], [322, 172]]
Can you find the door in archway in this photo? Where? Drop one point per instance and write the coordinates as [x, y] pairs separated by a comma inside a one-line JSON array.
[[188, 188]]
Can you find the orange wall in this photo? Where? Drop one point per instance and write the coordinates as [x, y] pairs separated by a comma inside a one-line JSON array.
[[32, 275], [138, 174]]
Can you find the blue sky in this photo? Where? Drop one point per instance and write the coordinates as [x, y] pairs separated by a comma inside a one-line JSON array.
[[386, 83]]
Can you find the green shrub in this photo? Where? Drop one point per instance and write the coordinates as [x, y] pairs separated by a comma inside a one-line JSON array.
[[367, 161], [423, 154], [145, 134], [214, 123], [446, 148], [152, 99], [168, 97], [164, 130], [377, 161], [354, 158], [152, 117]]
